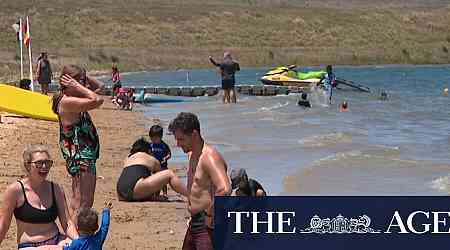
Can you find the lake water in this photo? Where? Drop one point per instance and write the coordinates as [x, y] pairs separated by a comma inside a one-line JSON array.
[[395, 147]]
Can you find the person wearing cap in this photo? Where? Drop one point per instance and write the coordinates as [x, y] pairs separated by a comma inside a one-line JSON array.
[[245, 186], [228, 69], [446, 92]]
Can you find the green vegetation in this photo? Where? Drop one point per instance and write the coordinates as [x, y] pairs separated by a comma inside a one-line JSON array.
[[170, 34]]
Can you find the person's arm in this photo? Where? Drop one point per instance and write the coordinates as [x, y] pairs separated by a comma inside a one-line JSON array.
[[63, 213], [51, 72], [169, 153], [38, 69], [87, 99], [8, 205], [238, 68], [103, 232], [213, 62], [153, 164], [215, 167], [95, 85]]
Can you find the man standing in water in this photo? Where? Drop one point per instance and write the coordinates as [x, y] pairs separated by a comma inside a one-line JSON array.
[[207, 177], [329, 82], [227, 70]]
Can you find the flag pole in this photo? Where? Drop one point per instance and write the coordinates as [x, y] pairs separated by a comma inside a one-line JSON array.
[[21, 48], [29, 55]]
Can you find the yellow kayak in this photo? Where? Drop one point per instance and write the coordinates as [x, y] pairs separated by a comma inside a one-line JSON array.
[[26, 103]]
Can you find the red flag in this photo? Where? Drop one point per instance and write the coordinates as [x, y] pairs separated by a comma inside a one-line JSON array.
[[26, 37]]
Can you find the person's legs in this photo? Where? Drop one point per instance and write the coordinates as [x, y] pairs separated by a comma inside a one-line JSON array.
[[44, 88], [154, 183], [188, 242], [233, 95], [227, 96], [83, 190], [202, 240]]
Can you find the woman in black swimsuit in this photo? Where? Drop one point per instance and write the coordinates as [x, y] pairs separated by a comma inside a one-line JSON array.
[[36, 204], [141, 178]]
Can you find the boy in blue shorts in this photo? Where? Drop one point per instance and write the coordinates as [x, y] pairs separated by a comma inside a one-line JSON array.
[[160, 149]]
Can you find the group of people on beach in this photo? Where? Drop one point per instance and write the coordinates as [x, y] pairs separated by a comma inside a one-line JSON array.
[[37, 203]]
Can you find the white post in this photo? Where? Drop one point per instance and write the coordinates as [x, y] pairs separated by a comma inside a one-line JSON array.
[[21, 48], [29, 55]]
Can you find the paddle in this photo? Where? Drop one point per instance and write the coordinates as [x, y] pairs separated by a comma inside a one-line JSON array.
[[353, 85]]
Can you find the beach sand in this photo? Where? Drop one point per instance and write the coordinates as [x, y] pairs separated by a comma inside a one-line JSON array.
[[147, 225]]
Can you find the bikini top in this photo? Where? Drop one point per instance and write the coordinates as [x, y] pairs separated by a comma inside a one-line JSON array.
[[30, 214]]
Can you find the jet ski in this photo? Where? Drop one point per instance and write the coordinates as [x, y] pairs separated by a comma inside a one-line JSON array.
[[289, 76]]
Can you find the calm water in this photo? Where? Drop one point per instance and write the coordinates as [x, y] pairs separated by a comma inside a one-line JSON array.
[[397, 147]]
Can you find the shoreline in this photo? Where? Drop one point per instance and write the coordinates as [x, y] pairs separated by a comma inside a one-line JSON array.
[[136, 225]]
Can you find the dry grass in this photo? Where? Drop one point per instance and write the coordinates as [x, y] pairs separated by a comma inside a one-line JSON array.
[[150, 34]]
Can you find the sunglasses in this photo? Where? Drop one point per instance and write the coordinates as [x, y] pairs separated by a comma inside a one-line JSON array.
[[40, 164]]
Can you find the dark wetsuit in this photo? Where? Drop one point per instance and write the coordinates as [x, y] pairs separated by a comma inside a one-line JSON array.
[[251, 189], [228, 69], [128, 179], [304, 103]]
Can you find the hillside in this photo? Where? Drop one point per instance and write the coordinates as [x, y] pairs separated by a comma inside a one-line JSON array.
[[170, 34]]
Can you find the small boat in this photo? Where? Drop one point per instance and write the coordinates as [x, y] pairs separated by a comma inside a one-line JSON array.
[[289, 76]]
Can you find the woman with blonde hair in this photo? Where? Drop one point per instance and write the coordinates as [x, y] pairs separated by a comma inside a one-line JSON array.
[[78, 138], [36, 203]]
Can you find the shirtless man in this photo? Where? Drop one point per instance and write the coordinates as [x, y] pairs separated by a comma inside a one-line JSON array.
[[207, 177]]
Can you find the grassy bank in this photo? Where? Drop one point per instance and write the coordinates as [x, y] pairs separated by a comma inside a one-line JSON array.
[[150, 34]]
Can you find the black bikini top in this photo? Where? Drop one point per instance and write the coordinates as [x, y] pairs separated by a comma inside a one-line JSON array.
[[30, 214]]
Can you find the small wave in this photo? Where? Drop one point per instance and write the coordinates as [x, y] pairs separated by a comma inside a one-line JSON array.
[[340, 156], [276, 106], [441, 184], [325, 140]]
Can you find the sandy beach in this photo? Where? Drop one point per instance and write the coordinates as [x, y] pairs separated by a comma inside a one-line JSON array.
[[149, 225]]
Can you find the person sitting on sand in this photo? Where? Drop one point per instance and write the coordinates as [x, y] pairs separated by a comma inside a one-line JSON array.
[[141, 178], [245, 186], [36, 204], [90, 238], [344, 107], [304, 101]]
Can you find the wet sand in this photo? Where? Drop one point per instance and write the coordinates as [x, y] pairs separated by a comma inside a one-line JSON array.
[[148, 225]]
